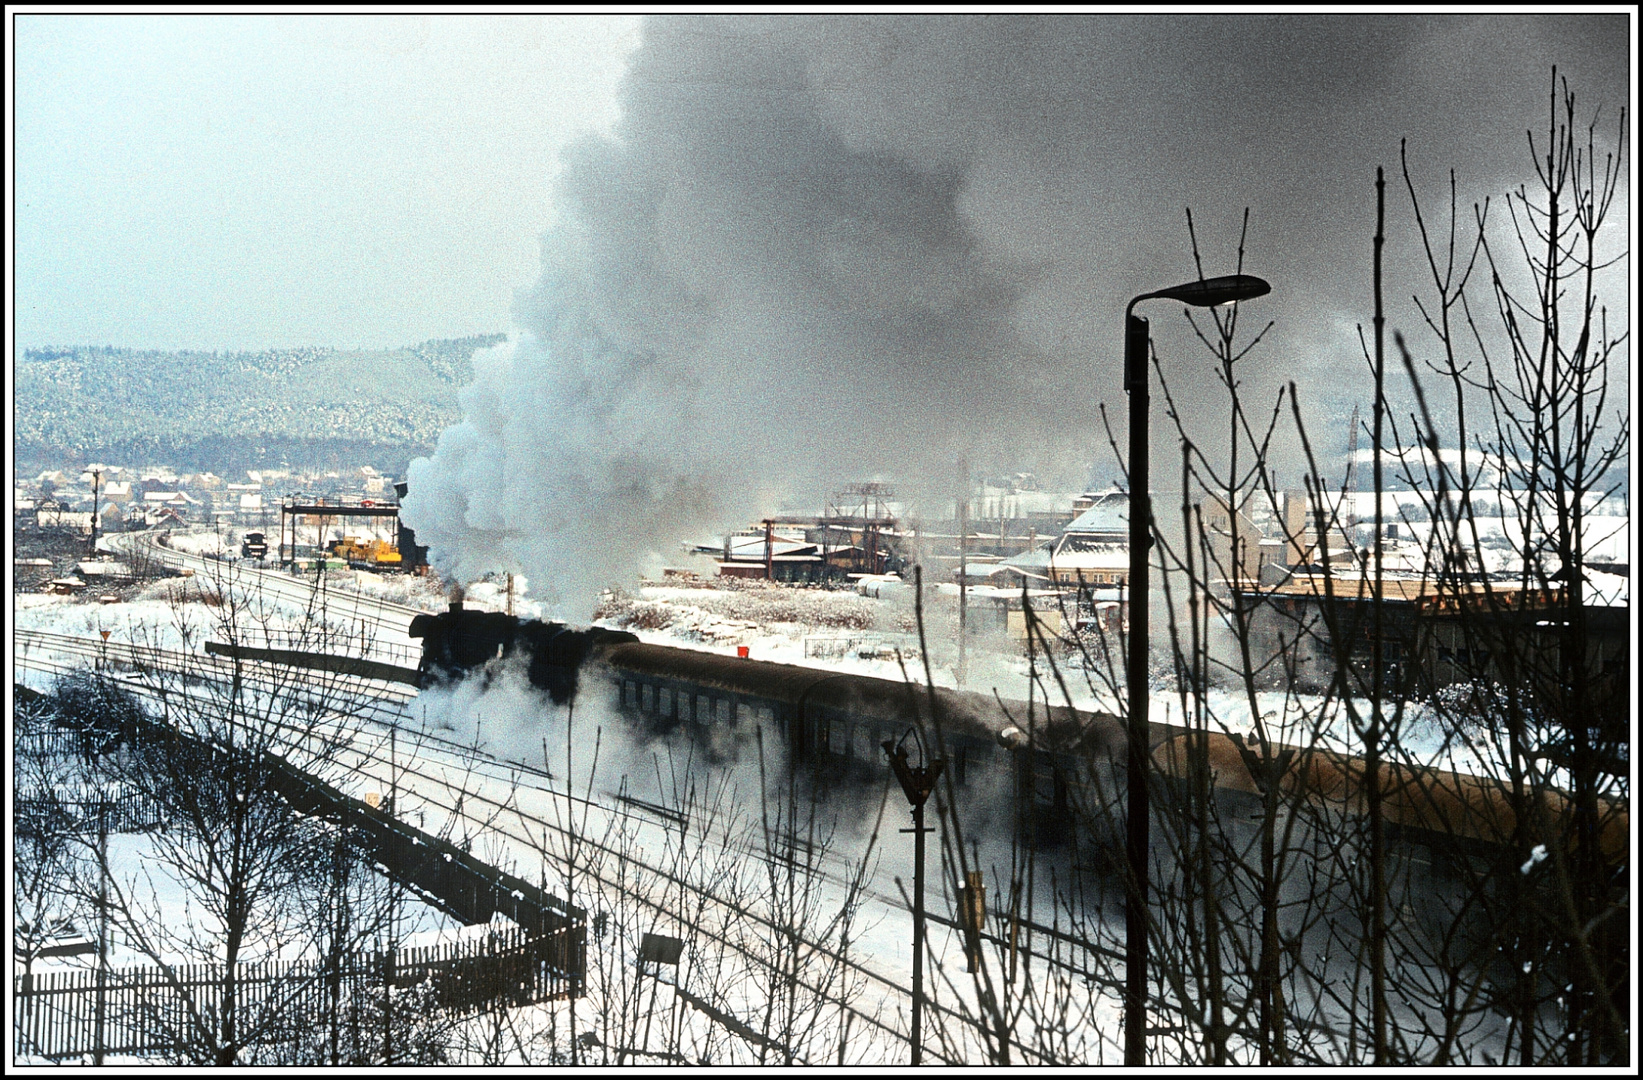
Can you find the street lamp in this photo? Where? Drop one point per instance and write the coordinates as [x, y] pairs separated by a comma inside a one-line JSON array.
[[1205, 293]]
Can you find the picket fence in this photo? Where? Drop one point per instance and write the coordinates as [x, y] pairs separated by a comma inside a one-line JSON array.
[[282, 1006]]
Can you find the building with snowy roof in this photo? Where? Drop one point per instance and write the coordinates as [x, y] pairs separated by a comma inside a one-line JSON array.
[[1094, 548]]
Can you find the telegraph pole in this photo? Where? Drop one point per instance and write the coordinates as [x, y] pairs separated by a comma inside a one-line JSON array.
[[102, 927], [96, 488]]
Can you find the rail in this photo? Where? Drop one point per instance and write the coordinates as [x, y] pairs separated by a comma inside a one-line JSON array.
[[387, 612], [125, 657]]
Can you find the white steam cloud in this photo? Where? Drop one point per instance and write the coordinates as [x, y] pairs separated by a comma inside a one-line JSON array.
[[824, 249]]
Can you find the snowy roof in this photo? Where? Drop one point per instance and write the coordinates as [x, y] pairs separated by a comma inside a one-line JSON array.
[[1607, 590], [752, 548], [103, 569], [1037, 559], [1110, 514], [983, 571]]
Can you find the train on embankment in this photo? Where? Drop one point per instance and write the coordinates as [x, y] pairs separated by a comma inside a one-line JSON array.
[[840, 721]]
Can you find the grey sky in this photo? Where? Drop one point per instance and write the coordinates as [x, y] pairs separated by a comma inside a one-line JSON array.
[[261, 180]]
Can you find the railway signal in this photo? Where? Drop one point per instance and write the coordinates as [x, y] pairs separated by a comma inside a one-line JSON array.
[[917, 781]]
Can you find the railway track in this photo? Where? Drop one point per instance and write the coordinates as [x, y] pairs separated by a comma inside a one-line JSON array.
[[466, 806], [385, 614], [463, 803], [43, 651]]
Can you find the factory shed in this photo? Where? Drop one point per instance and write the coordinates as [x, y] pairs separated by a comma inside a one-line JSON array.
[[789, 568]]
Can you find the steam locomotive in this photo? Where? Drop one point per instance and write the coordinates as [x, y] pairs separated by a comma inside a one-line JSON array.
[[457, 641], [839, 721], [832, 721]]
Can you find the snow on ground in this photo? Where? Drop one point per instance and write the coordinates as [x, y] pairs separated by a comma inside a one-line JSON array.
[[197, 543], [836, 631], [156, 895], [520, 817], [412, 590], [167, 614]]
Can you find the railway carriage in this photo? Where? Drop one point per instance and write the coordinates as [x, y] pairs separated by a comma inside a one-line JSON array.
[[838, 722]]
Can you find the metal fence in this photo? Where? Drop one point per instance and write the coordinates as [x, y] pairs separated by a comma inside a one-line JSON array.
[[286, 1008], [127, 813]]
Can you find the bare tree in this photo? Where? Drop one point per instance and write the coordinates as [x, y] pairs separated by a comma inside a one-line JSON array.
[[213, 753], [1390, 826], [1534, 359], [48, 773]]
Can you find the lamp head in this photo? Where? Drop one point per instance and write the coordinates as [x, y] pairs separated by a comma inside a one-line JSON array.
[[1216, 290]]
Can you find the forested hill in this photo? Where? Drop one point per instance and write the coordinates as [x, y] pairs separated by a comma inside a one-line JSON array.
[[233, 410]]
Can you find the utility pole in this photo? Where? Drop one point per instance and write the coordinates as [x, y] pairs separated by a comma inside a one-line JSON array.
[[393, 913], [917, 782], [96, 488]]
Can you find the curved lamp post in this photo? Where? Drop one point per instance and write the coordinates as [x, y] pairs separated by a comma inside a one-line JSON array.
[[1206, 293]]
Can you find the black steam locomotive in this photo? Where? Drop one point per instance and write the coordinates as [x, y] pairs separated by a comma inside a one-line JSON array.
[[457, 641]]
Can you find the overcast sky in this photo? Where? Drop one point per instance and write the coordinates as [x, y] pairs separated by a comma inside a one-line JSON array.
[[250, 181], [245, 181]]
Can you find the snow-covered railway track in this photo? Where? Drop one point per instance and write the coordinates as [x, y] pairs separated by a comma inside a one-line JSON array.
[[63, 653], [464, 803], [387, 615], [458, 808]]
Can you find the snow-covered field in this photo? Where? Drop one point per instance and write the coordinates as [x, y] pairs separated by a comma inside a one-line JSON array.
[[152, 887]]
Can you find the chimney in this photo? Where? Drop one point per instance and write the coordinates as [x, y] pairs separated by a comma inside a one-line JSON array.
[[456, 597], [1298, 528]]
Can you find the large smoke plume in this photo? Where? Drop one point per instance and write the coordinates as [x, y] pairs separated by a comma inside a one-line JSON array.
[[823, 249]]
